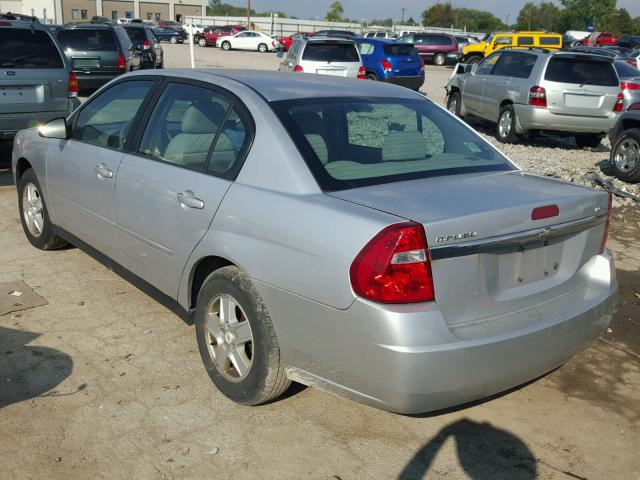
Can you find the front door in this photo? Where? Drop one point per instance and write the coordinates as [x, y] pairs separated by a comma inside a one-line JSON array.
[[81, 171], [169, 190]]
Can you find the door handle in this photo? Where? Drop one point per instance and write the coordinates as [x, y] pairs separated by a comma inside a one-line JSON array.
[[103, 171], [188, 199]]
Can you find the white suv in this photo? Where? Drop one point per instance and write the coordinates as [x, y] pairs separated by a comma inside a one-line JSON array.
[[325, 56]]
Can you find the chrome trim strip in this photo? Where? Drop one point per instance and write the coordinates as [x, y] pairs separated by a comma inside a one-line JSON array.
[[517, 242]]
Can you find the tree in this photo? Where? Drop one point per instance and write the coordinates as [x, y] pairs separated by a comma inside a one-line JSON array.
[[411, 21], [545, 16], [335, 14], [439, 15], [589, 12], [444, 15], [620, 23]]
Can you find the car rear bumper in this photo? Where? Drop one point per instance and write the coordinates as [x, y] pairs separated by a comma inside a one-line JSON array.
[[406, 359], [534, 118], [11, 123], [91, 80], [414, 83]]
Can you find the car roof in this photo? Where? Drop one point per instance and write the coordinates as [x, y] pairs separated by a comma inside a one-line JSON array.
[[329, 38], [75, 26], [276, 86]]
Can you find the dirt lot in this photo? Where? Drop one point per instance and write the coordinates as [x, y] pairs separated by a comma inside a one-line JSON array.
[[103, 382]]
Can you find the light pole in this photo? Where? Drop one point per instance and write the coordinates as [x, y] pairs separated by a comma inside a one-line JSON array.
[[508, 16], [249, 14], [402, 21]]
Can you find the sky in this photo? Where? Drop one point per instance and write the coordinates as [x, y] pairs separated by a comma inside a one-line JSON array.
[[369, 9]]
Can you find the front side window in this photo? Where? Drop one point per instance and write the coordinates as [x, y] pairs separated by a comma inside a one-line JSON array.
[[355, 142], [487, 65], [23, 48], [108, 119]]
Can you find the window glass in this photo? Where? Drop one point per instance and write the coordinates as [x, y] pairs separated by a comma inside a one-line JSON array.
[[486, 67], [107, 120], [84, 14], [88, 40], [136, 34], [330, 52], [74, 13], [23, 48], [504, 40], [366, 48], [384, 140], [581, 71], [550, 40], [231, 144], [184, 125], [524, 41], [515, 64], [395, 49]]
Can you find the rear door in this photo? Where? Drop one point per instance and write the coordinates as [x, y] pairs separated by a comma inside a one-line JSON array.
[[331, 57], [33, 76], [168, 189], [507, 81], [473, 89], [90, 50], [581, 85]]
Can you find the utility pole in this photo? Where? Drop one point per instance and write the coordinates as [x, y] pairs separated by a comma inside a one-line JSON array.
[[402, 21], [249, 14]]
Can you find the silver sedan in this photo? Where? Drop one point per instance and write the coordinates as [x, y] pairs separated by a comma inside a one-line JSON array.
[[347, 235]]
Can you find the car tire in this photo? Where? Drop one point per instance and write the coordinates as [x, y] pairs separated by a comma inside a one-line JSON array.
[[439, 59], [262, 48], [371, 76], [34, 214], [173, 40], [161, 65], [453, 103], [624, 160], [474, 59], [226, 46], [506, 125], [588, 141], [246, 339], [202, 42]]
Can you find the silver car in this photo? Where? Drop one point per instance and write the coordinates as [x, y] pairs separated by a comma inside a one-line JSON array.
[[325, 56], [629, 83], [343, 234], [573, 93]]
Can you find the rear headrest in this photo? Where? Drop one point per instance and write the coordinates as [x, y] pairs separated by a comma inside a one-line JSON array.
[[202, 118], [309, 122], [400, 146]]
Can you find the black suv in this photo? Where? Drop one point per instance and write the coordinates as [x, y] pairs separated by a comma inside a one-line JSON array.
[[145, 41], [98, 52]]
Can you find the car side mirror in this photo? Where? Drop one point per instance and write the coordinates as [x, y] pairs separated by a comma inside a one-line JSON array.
[[56, 128], [280, 54]]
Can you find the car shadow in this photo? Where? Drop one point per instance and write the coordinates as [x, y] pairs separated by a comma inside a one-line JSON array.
[[27, 371], [484, 452], [6, 179]]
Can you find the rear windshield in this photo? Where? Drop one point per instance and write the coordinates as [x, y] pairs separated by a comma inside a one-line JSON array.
[[355, 142], [406, 50], [330, 52], [136, 34], [22, 48], [581, 71], [86, 40]]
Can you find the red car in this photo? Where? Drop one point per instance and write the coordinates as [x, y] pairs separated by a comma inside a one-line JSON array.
[[597, 39], [286, 42], [210, 35]]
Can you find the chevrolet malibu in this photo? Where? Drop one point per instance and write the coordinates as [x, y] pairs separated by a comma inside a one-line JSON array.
[[355, 237]]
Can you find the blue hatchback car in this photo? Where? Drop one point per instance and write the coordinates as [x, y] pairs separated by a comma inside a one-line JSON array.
[[393, 62]]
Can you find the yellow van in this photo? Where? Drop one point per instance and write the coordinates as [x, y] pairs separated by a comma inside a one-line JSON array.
[[475, 52]]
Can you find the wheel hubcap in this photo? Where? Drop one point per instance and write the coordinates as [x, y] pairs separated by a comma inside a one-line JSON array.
[[627, 155], [32, 209], [504, 126], [453, 105], [229, 338]]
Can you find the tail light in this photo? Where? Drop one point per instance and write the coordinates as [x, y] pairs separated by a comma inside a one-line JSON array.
[[618, 106], [633, 63], [121, 62], [362, 73], [394, 267], [386, 66], [630, 86], [73, 85], [538, 97], [298, 68], [605, 235], [146, 45]]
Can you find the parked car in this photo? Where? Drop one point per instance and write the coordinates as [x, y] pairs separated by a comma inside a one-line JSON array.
[[495, 41], [572, 93], [247, 40], [98, 52], [396, 257], [286, 42], [597, 39], [124, 21], [101, 19], [624, 160], [629, 83], [173, 25], [165, 34], [146, 42], [324, 56], [210, 35], [630, 42], [437, 48], [336, 33], [613, 53], [464, 40], [36, 82], [391, 62], [381, 34], [192, 28]]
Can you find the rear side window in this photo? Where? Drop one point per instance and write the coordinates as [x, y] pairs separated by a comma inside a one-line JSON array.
[[400, 50], [330, 52], [524, 41], [366, 48], [24, 48], [85, 40], [550, 41], [515, 64], [136, 34], [581, 71]]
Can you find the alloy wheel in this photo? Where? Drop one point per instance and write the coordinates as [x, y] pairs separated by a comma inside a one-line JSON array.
[[32, 209], [504, 124], [453, 105], [627, 155]]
